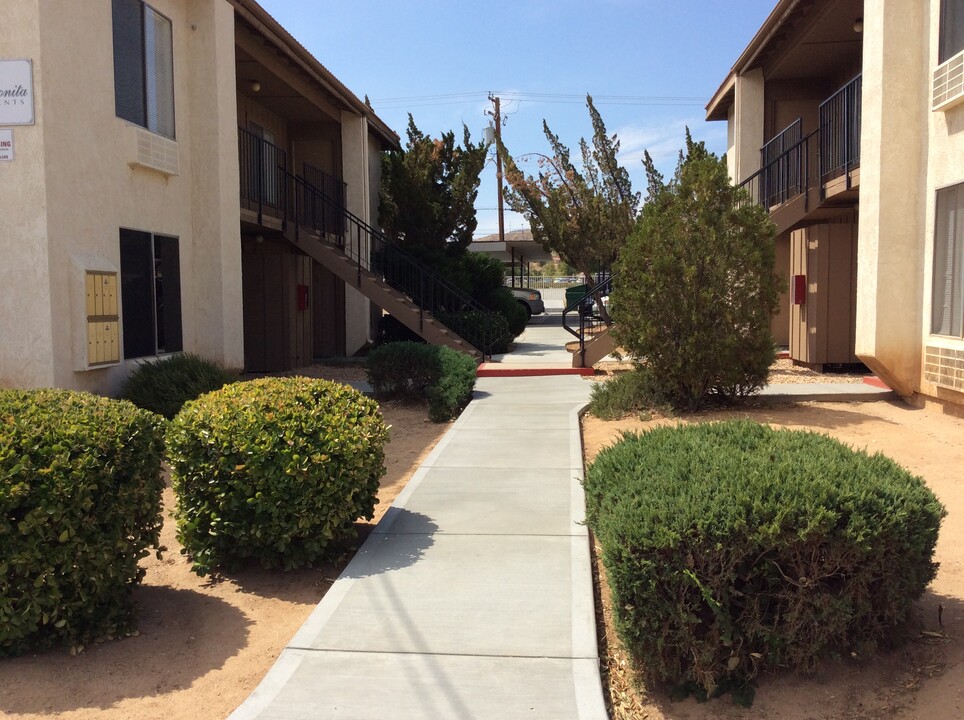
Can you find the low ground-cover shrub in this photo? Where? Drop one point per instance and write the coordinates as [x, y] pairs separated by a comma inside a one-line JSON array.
[[415, 372], [620, 395], [732, 548], [80, 505], [275, 470], [163, 386]]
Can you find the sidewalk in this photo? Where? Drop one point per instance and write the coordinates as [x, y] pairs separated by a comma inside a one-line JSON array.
[[473, 596]]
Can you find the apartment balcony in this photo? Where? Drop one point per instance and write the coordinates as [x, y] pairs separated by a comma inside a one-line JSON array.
[[809, 178], [275, 198]]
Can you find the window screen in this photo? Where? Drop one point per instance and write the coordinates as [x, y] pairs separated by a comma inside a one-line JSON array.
[[952, 29], [947, 301], [143, 66]]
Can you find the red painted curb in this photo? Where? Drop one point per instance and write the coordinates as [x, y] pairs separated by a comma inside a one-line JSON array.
[[876, 382], [484, 371]]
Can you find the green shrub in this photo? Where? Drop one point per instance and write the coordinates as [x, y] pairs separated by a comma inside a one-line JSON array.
[[390, 330], [695, 288], [415, 372], [732, 548], [80, 505], [163, 386], [481, 329], [620, 395], [275, 470], [503, 302]]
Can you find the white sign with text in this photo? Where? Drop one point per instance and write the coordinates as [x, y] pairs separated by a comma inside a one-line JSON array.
[[6, 145], [16, 92]]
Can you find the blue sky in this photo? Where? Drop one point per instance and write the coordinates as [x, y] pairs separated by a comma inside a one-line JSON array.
[[658, 62]]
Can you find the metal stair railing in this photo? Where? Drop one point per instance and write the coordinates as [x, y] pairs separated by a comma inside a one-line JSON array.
[[371, 251], [585, 310]]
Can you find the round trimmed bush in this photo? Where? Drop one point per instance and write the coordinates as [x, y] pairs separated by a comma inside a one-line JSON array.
[[732, 548], [164, 385], [80, 505], [416, 372], [275, 470]]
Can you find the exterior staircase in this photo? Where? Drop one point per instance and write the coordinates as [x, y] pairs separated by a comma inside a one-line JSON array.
[[375, 288], [582, 319], [395, 281]]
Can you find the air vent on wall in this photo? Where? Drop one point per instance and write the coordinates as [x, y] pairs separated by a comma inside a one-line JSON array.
[[944, 366], [949, 83], [155, 152]]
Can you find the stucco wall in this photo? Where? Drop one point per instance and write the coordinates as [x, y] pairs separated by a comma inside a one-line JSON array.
[[893, 193], [26, 343], [355, 154], [76, 170], [748, 118], [944, 151]]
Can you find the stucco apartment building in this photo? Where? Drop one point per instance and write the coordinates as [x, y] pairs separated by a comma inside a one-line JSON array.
[[845, 118], [165, 167]]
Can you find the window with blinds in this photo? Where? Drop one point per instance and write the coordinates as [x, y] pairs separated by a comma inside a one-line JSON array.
[[143, 66], [947, 302]]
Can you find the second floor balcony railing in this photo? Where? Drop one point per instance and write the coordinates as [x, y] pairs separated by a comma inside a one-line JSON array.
[[262, 168], [784, 177], [792, 163], [840, 132], [325, 205]]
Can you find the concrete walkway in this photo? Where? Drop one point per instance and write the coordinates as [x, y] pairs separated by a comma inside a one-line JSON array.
[[473, 596]]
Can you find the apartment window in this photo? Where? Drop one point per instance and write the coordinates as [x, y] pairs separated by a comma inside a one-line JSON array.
[[143, 67], [150, 293], [947, 308], [952, 29]]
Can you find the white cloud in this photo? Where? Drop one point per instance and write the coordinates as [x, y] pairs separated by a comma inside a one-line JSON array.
[[665, 140]]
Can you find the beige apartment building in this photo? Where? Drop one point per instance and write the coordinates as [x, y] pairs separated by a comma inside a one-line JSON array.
[[176, 175], [845, 119]]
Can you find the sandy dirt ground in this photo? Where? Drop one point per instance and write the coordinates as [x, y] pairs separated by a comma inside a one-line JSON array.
[[922, 680], [203, 644]]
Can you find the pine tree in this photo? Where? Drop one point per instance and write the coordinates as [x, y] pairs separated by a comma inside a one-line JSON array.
[[696, 287], [585, 215], [428, 190]]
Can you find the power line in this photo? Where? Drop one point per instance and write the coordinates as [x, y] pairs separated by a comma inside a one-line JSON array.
[[564, 98]]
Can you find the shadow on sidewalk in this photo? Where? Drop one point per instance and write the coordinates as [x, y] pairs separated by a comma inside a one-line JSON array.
[[386, 551]]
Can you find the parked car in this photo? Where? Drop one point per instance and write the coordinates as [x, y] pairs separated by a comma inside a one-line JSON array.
[[530, 299]]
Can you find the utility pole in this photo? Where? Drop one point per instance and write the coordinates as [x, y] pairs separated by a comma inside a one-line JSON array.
[[497, 114]]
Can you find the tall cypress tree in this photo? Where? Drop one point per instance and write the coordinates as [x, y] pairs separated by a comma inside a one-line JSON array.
[[429, 189], [583, 213]]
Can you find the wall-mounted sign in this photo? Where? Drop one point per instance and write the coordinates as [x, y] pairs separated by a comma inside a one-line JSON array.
[[6, 145], [16, 92]]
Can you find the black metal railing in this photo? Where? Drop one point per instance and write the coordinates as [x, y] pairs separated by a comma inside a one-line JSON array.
[[782, 169], [331, 223], [373, 252], [784, 177], [840, 132], [263, 167], [583, 318]]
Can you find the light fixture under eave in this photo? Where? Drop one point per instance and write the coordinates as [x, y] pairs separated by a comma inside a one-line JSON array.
[[859, 25], [255, 86]]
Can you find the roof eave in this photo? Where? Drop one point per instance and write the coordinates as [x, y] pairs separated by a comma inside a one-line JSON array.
[[274, 31]]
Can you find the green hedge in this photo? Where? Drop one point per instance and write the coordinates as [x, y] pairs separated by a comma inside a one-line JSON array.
[[732, 548], [275, 470], [80, 505], [163, 386], [415, 372]]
